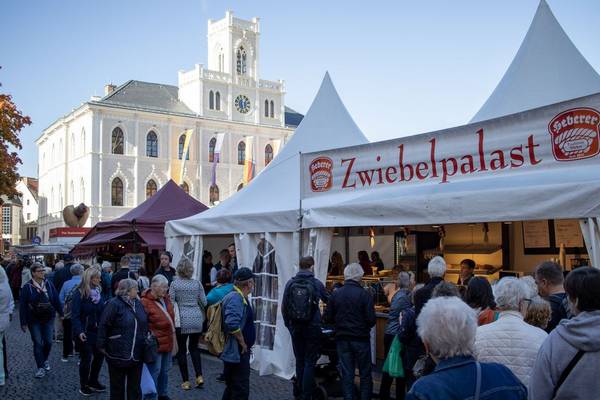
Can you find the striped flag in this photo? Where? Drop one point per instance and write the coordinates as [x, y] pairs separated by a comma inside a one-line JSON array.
[[249, 163], [216, 156], [177, 165]]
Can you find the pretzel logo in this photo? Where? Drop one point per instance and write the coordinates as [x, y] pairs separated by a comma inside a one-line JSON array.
[[321, 176], [575, 134]]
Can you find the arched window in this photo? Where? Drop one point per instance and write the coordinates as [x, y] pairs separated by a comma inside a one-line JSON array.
[[181, 146], [82, 191], [213, 195], [82, 141], [150, 188], [268, 154], [240, 186], [185, 187], [60, 198], [241, 153], [211, 100], [52, 201], [272, 114], [72, 193], [211, 150], [241, 61], [117, 141], [221, 61], [266, 108], [116, 192], [72, 145], [151, 144], [218, 101]]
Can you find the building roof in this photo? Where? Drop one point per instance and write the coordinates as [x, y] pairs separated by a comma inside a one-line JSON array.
[[157, 97], [13, 200], [32, 184], [547, 69]]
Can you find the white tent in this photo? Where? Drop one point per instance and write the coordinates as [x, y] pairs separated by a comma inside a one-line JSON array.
[[547, 69], [264, 219]]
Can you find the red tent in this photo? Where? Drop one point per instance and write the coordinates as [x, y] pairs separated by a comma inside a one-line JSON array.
[[141, 229]]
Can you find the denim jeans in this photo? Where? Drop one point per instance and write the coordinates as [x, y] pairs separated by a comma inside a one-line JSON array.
[[41, 335], [353, 353], [160, 373], [305, 342]]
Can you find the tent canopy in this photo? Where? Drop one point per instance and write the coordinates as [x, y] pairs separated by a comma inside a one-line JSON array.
[[270, 202], [531, 170], [547, 69], [147, 220]]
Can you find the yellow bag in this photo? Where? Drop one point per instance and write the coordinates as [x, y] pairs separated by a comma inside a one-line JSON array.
[[215, 337]]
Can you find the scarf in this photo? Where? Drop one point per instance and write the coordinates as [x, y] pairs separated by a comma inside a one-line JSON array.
[[42, 287]]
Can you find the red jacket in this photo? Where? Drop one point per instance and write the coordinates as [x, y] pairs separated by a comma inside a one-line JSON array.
[[158, 322]]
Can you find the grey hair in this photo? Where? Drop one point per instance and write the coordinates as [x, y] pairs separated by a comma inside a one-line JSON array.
[[448, 326], [59, 265], [403, 280], [509, 293], [436, 267], [353, 272], [76, 269], [532, 289], [125, 285], [160, 280], [106, 265]]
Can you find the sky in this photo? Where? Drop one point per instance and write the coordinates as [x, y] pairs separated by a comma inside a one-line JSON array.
[[401, 67]]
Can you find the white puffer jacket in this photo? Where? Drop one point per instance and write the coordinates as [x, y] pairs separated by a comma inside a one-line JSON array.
[[510, 341]]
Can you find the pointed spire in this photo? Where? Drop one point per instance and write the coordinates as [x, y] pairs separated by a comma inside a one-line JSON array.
[[327, 124], [547, 69]]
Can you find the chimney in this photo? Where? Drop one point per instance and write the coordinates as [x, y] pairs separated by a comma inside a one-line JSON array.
[[108, 89]]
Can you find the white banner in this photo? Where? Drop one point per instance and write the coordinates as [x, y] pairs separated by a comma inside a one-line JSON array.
[[562, 137]]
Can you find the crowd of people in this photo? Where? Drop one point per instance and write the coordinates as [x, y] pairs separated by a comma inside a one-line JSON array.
[[533, 337]]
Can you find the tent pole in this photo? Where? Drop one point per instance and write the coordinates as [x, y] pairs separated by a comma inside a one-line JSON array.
[[300, 207]]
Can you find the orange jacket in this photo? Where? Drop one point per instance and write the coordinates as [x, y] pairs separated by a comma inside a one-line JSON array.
[[158, 322]]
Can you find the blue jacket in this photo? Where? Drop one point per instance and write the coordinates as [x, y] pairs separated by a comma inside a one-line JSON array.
[[352, 311], [85, 316], [319, 288], [30, 295], [122, 331], [67, 287], [455, 379], [218, 293], [236, 309]]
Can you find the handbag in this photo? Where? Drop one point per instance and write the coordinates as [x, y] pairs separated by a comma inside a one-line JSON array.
[[147, 384], [393, 362], [150, 350]]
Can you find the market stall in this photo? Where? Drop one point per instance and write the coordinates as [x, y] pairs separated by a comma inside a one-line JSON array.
[[139, 232], [263, 220]]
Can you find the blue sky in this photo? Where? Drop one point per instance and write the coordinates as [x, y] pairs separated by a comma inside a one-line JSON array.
[[400, 67]]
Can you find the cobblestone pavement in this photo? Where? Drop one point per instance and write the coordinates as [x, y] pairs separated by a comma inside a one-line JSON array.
[[63, 380]]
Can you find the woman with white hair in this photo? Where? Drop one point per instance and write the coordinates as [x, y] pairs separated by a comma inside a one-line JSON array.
[[436, 269], [447, 327], [7, 307], [510, 340]]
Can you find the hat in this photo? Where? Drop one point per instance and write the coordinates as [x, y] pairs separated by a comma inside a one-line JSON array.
[[243, 274], [353, 272]]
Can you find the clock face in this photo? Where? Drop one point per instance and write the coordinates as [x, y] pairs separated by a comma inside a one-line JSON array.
[[242, 104]]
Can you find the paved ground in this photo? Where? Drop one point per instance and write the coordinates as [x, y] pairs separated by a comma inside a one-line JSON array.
[[63, 381]]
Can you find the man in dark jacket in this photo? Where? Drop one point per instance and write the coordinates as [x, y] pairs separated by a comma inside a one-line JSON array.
[[436, 270], [351, 310], [302, 317], [63, 274], [550, 282], [122, 273]]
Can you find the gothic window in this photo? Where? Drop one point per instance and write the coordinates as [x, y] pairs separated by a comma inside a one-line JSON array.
[[185, 187], [268, 154], [116, 192], [221, 61], [181, 146], [60, 197], [72, 193], [241, 61], [82, 141], [151, 144], [266, 108], [117, 141], [211, 149], [211, 100], [151, 188], [218, 101], [213, 195], [272, 113], [72, 145], [241, 153], [82, 191]]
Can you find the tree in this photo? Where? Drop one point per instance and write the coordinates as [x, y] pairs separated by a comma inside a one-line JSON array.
[[11, 123]]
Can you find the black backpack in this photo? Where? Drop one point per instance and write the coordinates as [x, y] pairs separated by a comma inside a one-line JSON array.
[[301, 301]]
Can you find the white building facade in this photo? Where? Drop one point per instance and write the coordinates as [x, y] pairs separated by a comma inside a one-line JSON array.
[[111, 153]]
